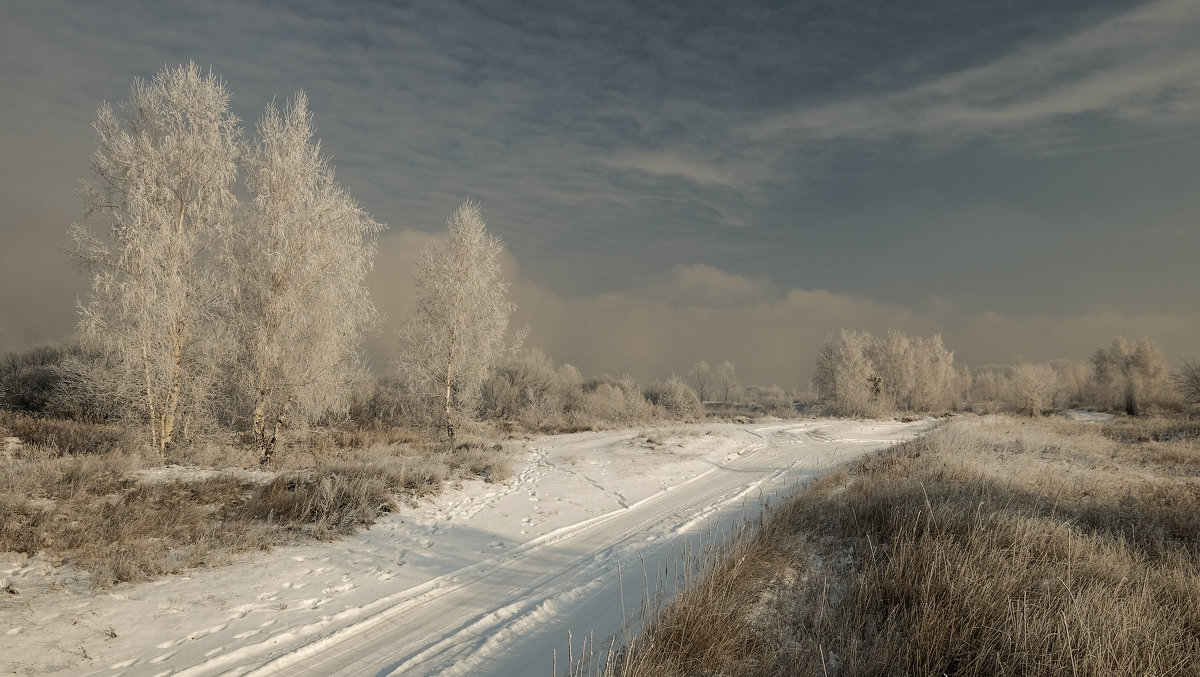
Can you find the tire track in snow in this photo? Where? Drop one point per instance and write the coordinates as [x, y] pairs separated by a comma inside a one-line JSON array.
[[541, 579]]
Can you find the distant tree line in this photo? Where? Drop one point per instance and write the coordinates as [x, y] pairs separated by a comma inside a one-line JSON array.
[[858, 374]]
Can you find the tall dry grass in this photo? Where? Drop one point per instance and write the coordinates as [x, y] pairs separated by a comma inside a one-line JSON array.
[[76, 496], [988, 547]]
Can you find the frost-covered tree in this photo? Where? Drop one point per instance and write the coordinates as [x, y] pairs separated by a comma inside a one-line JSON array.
[[1032, 388], [895, 360], [701, 375], [298, 255], [860, 375], [1187, 380], [933, 386], [163, 173], [845, 377], [1130, 375], [727, 381], [457, 331]]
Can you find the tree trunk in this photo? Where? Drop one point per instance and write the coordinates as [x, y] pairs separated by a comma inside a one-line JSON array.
[[150, 397], [265, 445], [446, 408], [170, 410]]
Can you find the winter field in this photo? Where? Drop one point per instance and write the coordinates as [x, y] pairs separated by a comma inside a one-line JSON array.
[[485, 579]]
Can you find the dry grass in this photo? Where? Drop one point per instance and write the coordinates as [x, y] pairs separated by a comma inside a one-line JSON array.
[[123, 516], [989, 547], [62, 436]]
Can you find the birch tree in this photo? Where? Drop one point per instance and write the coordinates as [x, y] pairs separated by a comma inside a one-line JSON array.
[[701, 376], [846, 379], [457, 331], [299, 255], [727, 380], [163, 172]]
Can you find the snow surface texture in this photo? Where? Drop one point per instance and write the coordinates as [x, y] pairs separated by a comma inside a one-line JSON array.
[[484, 580]]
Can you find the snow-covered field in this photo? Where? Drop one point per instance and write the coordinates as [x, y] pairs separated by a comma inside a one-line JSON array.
[[484, 580]]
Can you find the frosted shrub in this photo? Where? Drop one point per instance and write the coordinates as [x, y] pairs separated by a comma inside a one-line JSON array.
[[675, 399], [607, 404], [617, 402], [1187, 380], [513, 383], [1031, 388], [772, 400]]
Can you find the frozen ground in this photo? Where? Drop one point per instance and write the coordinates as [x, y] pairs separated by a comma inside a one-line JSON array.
[[484, 580]]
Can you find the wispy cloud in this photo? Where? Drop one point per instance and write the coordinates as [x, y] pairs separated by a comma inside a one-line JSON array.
[[1142, 67], [671, 164]]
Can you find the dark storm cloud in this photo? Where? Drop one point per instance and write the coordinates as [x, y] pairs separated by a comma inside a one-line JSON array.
[[1031, 159]]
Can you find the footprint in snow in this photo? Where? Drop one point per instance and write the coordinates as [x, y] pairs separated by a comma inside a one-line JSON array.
[[163, 657]]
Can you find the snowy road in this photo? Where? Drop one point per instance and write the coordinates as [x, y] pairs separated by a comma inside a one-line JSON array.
[[486, 580]]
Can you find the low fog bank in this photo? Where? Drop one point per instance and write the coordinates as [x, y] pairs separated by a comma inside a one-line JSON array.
[[699, 312]]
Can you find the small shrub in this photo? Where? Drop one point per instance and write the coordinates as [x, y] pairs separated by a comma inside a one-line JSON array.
[[675, 399], [1031, 388], [1187, 380]]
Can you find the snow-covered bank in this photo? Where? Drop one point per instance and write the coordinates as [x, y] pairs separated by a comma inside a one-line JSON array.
[[486, 579]]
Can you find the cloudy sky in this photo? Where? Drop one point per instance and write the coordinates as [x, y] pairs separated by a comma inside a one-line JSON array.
[[691, 180]]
